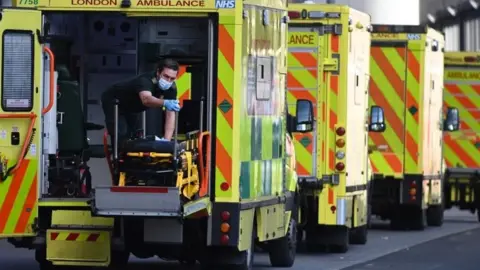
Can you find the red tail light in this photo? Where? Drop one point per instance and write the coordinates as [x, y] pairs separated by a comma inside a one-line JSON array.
[[340, 131], [340, 166], [225, 215], [224, 239]]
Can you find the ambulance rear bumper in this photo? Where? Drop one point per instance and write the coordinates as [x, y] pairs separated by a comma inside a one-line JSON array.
[[137, 201]]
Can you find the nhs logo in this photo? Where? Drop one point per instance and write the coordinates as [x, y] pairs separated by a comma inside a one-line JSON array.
[[225, 4]]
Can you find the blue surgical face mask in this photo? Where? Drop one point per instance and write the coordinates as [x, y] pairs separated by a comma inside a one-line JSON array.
[[164, 84]]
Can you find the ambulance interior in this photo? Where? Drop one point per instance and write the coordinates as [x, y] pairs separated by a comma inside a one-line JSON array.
[[93, 51]]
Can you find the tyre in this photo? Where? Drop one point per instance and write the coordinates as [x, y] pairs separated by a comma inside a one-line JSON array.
[[359, 236], [435, 216], [282, 251], [418, 219], [229, 258], [342, 241], [119, 259]]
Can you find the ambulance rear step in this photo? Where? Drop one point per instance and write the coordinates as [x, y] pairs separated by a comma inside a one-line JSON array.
[[136, 201]]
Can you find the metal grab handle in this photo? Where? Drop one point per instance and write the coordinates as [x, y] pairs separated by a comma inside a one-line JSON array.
[[51, 98], [115, 130], [175, 137]]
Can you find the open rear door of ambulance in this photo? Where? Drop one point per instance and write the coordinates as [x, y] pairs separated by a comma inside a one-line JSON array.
[[303, 82], [20, 120]]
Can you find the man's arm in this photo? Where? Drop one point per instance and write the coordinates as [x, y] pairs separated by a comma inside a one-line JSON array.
[[148, 100], [169, 124], [169, 127]]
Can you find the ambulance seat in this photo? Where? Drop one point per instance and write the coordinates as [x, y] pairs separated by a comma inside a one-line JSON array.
[[72, 132], [68, 170]]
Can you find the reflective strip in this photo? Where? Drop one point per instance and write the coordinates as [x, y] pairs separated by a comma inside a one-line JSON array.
[[462, 148], [224, 121], [77, 236], [18, 200], [341, 211]]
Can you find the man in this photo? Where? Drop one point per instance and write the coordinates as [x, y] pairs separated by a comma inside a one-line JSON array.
[[149, 90]]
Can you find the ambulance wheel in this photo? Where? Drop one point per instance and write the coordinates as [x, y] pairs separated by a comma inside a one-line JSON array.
[[342, 241], [419, 219], [359, 236], [229, 258], [282, 251], [435, 215], [119, 259]]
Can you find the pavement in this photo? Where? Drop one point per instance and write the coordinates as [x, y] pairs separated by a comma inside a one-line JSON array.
[[451, 246]]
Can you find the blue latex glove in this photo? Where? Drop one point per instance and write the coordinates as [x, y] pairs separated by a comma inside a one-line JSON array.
[[171, 105], [163, 139]]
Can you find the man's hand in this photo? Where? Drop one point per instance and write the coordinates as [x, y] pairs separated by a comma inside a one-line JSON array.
[[172, 105]]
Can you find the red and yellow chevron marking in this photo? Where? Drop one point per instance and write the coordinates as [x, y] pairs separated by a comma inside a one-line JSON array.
[[302, 83], [225, 88], [390, 68], [77, 236], [332, 96], [183, 83], [462, 148], [18, 200]]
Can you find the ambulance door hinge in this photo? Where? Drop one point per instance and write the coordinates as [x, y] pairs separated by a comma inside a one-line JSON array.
[[310, 183], [336, 29], [332, 64], [333, 179], [40, 37]]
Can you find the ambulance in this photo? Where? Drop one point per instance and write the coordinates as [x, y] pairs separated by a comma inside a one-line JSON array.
[[224, 184], [328, 65], [407, 81], [461, 150]]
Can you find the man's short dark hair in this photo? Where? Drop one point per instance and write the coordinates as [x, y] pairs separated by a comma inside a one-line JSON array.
[[168, 63]]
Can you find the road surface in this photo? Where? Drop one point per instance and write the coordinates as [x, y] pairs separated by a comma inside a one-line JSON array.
[[453, 243], [458, 251]]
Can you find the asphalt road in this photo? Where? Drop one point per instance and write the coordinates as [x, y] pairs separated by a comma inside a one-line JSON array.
[[458, 251], [453, 245]]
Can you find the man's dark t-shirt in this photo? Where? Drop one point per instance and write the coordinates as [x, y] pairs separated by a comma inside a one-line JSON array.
[[127, 92]]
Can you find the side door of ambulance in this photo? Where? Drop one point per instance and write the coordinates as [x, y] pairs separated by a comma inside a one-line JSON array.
[[20, 120]]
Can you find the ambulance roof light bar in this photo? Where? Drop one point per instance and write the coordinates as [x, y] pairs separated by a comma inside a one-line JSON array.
[[397, 29], [471, 59], [294, 15], [304, 14]]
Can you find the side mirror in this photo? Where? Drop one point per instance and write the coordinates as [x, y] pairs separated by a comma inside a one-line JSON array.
[[304, 116], [377, 119], [452, 121]]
